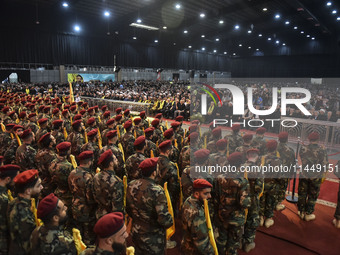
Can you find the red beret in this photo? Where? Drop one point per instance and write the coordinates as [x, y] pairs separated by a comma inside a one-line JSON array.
[[109, 224], [47, 205], [55, 111], [16, 127], [128, 124], [236, 127], [193, 137], [5, 109], [253, 150], [90, 109], [140, 140], [26, 177], [85, 155], [221, 144], [106, 114], [217, 132], [127, 112], [11, 113], [44, 138], [41, 108], [42, 121], [271, 145], [137, 121], [155, 122], [73, 107], [149, 131], [10, 126], [111, 134], [96, 107], [148, 165], [106, 156], [22, 115], [80, 102], [104, 108], [158, 116], [47, 109], [169, 133], [59, 104], [283, 137], [64, 146], [202, 155], [93, 132], [26, 133], [57, 123], [201, 184], [91, 120], [110, 122], [179, 118], [165, 145], [82, 112], [64, 112], [77, 117], [76, 123], [9, 168], [193, 128], [32, 115], [247, 138], [175, 124], [142, 114], [85, 104], [195, 122], [118, 110], [313, 136], [235, 159], [261, 130], [118, 117]]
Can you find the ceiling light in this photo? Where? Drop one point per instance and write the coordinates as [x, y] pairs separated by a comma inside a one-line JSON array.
[[237, 27], [329, 3], [225, 53], [295, 28], [165, 27], [260, 35], [313, 38], [249, 31], [134, 38], [277, 42], [308, 36], [203, 48], [217, 39], [143, 26], [221, 22], [202, 36], [215, 51], [174, 44], [283, 44], [287, 22], [334, 12], [257, 49], [77, 28], [156, 41], [178, 6], [185, 31], [264, 9], [189, 46], [240, 45], [269, 39], [277, 16], [202, 15], [338, 18], [139, 21], [106, 14], [302, 32], [249, 47], [65, 4], [234, 54]]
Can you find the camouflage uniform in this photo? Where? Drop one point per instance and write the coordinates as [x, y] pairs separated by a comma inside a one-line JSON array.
[[157, 136], [33, 126], [9, 156], [21, 225], [127, 142], [5, 141], [98, 251], [231, 200], [59, 136], [104, 138], [25, 157], [310, 181], [195, 238], [211, 146], [132, 166], [43, 161], [83, 204], [108, 192], [46, 240], [4, 231], [174, 154], [243, 149], [234, 140], [40, 133], [218, 158], [138, 130], [184, 159], [259, 143], [145, 123], [77, 141], [150, 145], [120, 169], [90, 146], [146, 204]]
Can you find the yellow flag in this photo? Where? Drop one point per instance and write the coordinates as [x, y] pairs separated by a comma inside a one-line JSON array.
[[185, 132], [12, 136], [73, 161], [34, 211], [97, 170], [71, 93], [100, 145], [180, 188], [130, 250], [118, 132], [209, 226], [17, 121], [135, 134], [65, 133], [18, 139], [80, 246], [277, 154], [166, 125], [205, 142], [171, 230], [99, 120], [151, 154], [176, 144], [85, 135], [3, 128], [121, 149], [10, 197], [228, 149], [125, 188]]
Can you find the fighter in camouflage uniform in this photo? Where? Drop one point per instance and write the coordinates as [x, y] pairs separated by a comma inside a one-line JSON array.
[[25, 154], [9, 156], [137, 129], [147, 206], [247, 138], [258, 142], [76, 138], [92, 145], [108, 127], [108, 189], [231, 200], [6, 138], [158, 134], [174, 152], [184, 158], [312, 155], [216, 135], [142, 114], [150, 145], [196, 238], [128, 139], [132, 163], [234, 139], [57, 131], [32, 123], [43, 128]]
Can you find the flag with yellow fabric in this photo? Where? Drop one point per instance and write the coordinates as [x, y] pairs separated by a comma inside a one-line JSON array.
[[71, 93], [34, 211], [73, 161], [80, 246], [125, 188], [209, 226], [171, 230], [180, 187]]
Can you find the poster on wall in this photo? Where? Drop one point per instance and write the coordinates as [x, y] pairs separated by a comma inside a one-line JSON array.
[[86, 77]]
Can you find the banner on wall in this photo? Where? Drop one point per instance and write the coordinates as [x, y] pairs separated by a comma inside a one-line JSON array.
[[85, 77]]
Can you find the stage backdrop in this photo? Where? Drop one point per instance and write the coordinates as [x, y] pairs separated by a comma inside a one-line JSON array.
[[71, 77]]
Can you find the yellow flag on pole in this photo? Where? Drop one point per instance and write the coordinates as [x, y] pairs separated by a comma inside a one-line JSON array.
[[171, 230], [210, 229]]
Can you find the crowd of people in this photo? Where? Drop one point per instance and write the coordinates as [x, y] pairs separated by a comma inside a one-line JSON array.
[[68, 167]]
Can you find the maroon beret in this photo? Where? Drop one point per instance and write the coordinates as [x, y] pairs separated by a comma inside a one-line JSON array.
[[59, 104], [104, 108], [193, 137], [193, 128], [158, 116], [90, 109], [221, 144], [261, 130], [10, 126], [80, 102], [93, 132], [16, 127], [271, 145], [42, 121], [47, 109], [247, 138], [47, 205], [64, 112], [142, 114], [109, 224], [118, 117], [110, 122], [11, 113], [55, 111], [118, 110], [26, 177], [105, 157], [44, 138], [22, 115], [111, 134], [127, 124], [149, 131], [201, 184], [91, 120], [57, 123], [195, 122], [140, 140], [217, 132], [165, 145], [41, 108], [77, 117], [82, 112], [85, 104], [106, 114], [73, 107], [179, 118], [235, 159], [76, 123], [5, 109], [32, 115], [137, 121], [9, 168], [283, 137], [169, 133], [96, 107], [202, 155], [148, 165], [85, 155], [127, 112], [253, 150], [155, 122], [313, 136], [26, 133], [236, 127], [175, 124], [64, 146]]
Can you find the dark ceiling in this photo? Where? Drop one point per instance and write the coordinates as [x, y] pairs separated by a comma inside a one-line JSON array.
[[313, 19]]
